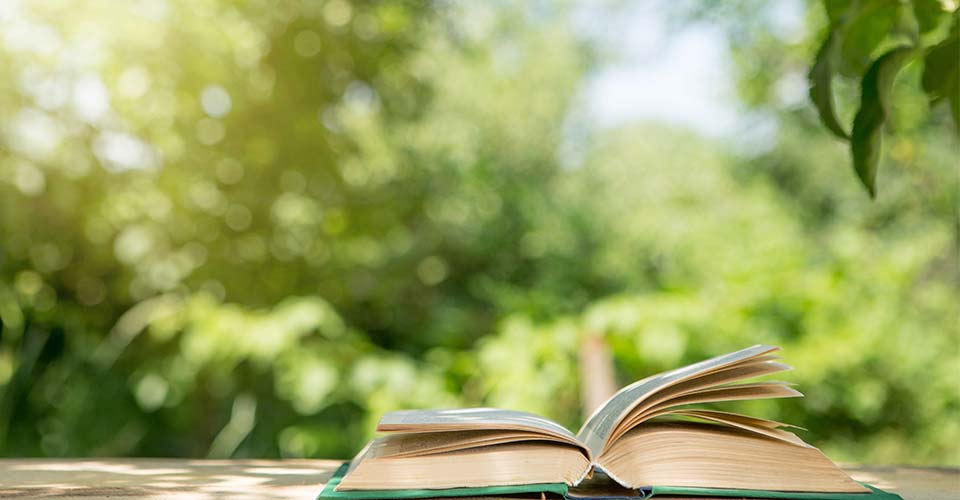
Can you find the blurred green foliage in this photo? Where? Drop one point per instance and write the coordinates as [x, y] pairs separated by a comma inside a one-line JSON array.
[[242, 229]]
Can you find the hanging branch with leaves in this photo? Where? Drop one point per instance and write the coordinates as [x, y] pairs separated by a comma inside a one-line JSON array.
[[901, 32]]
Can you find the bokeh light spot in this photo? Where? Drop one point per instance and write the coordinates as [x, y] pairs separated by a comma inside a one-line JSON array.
[[28, 283], [210, 131], [134, 82], [432, 270], [29, 179], [238, 217], [151, 391], [91, 101], [215, 101], [337, 13], [307, 43], [229, 171]]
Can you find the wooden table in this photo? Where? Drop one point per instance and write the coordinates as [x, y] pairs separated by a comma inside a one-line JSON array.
[[298, 479]]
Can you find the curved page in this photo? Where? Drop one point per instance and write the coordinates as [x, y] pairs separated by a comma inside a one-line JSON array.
[[596, 432], [467, 419]]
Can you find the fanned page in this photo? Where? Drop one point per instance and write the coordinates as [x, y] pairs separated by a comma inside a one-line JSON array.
[[519, 425], [599, 429], [468, 419]]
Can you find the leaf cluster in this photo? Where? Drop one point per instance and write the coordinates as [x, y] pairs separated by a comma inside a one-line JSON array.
[[872, 41]]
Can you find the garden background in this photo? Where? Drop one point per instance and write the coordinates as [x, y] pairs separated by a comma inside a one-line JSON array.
[[247, 228]]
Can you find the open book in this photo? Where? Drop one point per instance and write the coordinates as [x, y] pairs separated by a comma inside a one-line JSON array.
[[645, 435]]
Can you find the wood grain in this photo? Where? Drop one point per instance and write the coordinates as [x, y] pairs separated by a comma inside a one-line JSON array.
[[121, 479]]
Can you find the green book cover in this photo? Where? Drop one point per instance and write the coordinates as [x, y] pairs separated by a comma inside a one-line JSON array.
[[329, 491], [560, 489], [874, 494]]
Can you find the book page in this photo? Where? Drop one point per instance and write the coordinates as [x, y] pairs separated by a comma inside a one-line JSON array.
[[687, 454], [599, 427], [408, 444], [470, 419], [760, 426], [746, 370], [500, 465], [739, 392]]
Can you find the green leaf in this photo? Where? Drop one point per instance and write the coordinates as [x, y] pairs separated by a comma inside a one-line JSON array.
[[929, 13], [869, 22], [821, 88], [941, 74], [867, 135], [836, 9]]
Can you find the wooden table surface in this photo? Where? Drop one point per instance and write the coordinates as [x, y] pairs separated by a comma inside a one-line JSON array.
[[179, 479]]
